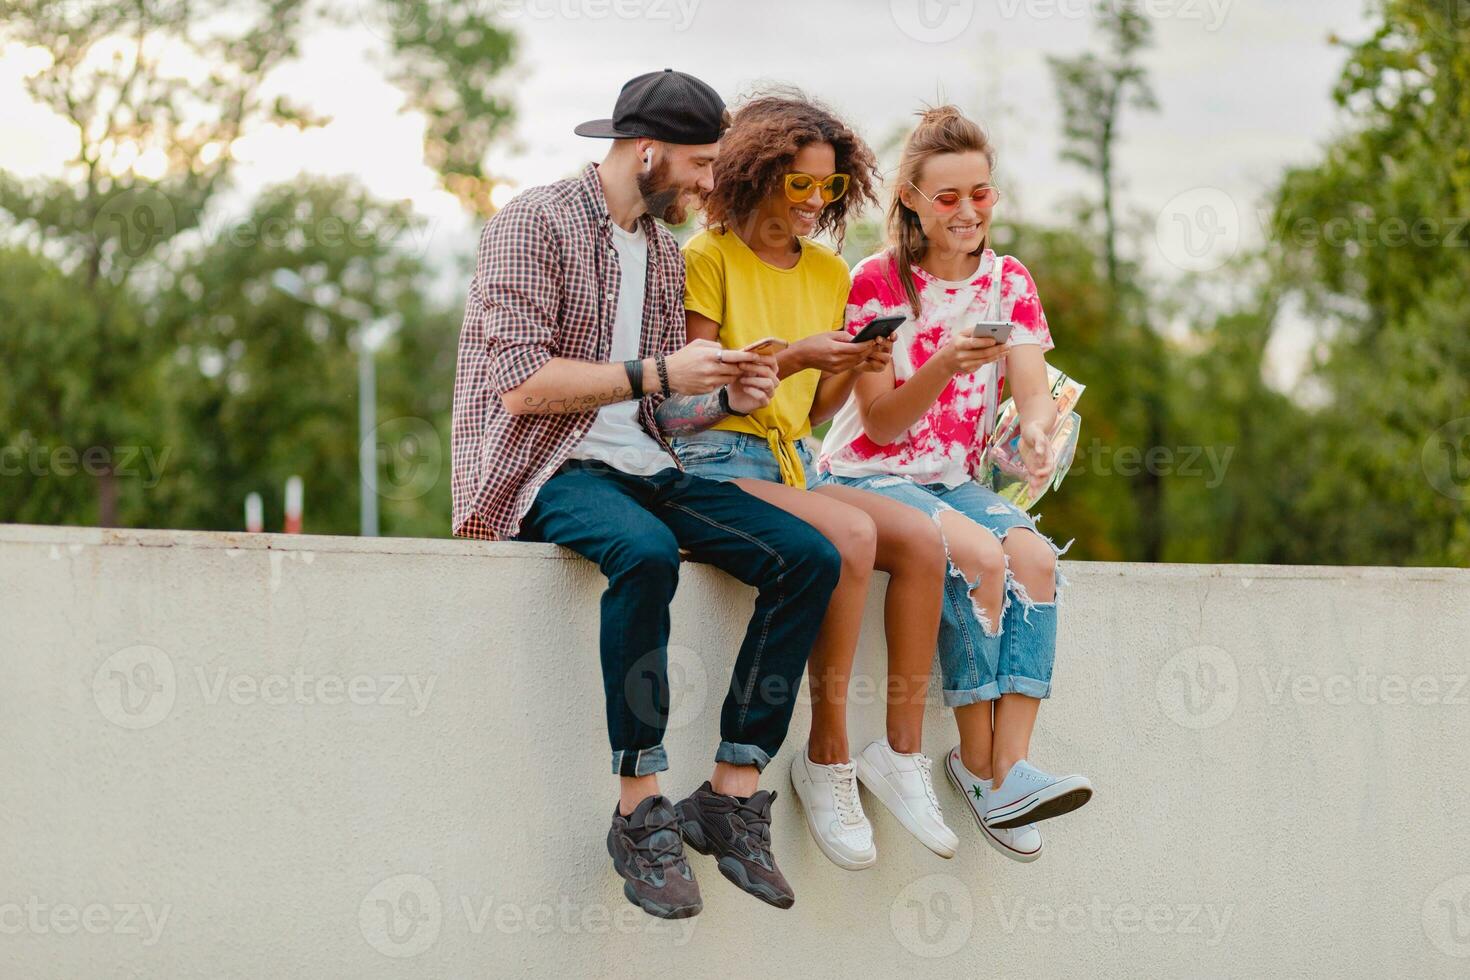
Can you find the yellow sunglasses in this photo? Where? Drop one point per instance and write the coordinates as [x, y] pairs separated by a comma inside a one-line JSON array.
[[799, 187]]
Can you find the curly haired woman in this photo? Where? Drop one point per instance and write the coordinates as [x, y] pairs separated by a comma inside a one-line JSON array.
[[788, 170]]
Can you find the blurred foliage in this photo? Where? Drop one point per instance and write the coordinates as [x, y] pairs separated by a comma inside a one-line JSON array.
[[139, 320]]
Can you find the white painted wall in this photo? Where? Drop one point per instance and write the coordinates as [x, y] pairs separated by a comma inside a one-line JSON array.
[[1280, 756]]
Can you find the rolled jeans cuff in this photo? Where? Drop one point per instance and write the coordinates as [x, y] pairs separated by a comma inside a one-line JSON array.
[[742, 755], [639, 762]]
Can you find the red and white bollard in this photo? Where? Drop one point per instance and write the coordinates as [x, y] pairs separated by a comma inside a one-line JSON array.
[[254, 514], [295, 495]]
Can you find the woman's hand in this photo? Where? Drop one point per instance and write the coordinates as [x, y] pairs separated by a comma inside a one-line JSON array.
[[879, 357], [963, 354], [1037, 454], [755, 387], [831, 353]]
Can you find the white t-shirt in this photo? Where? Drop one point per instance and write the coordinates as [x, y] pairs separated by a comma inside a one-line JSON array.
[[616, 437]]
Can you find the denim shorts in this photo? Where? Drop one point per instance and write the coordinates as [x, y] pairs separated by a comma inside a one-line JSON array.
[[717, 454], [977, 664]]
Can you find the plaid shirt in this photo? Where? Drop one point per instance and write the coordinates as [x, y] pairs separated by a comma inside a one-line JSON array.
[[546, 285]]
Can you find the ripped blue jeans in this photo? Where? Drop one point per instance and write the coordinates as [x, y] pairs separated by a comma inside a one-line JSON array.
[[977, 664]]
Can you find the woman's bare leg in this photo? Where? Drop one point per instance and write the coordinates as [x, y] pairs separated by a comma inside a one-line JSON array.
[[978, 554], [1034, 565], [853, 533], [911, 550]]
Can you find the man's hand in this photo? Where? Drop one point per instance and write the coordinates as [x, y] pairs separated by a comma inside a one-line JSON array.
[[756, 385], [700, 367], [963, 354], [1037, 454], [830, 353]]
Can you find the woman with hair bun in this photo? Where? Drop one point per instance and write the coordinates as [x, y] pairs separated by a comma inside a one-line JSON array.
[[916, 432]]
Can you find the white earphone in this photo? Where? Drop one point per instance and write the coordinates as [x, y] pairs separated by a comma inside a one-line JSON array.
[[648, 159]]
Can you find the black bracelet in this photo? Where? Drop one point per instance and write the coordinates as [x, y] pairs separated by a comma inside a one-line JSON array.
[[725, 404], [635, 376], [663, 374]]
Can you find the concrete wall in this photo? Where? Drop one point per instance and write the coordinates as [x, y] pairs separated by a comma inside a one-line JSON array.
[[259, 756]]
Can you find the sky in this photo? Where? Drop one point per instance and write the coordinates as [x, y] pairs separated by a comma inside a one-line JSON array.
[[1243, 88]]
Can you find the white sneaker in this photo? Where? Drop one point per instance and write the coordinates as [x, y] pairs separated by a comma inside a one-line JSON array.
[[834, 813], [1028, 795], [1020, 843], [902, 782]]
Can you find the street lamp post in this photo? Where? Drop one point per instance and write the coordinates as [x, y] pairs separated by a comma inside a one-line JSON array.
[[370, 330]]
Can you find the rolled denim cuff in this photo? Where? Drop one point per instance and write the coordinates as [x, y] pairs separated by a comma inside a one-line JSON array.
[[639, 762], [958, 699], [1029, 686], [742, 755]]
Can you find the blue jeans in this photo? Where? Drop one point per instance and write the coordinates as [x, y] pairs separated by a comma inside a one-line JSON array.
[[979, 664], [716, 454], [633, 527]]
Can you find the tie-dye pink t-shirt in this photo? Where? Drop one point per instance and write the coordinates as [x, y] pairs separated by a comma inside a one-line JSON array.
[[947, 443]]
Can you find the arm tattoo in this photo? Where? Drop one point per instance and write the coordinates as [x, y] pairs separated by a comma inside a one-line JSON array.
[[681, 415], [583, 403]]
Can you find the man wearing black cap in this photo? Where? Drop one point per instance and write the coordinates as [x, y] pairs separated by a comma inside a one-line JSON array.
[[573, 368]]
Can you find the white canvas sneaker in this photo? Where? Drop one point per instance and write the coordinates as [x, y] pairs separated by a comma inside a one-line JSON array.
[[834, 812], [1029, 795], [1020, 843], [904, 785]]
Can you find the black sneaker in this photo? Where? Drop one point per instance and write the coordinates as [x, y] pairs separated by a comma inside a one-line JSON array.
[[649, 855], [737, 834]]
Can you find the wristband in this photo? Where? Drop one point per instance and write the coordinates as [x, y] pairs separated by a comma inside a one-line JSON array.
[[635, 376], [725, 404], [663, 374]]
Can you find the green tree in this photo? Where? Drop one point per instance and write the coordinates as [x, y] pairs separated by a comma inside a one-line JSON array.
[[1375, 241]]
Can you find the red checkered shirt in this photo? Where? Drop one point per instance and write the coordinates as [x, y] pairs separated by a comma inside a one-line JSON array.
[[545, 285]]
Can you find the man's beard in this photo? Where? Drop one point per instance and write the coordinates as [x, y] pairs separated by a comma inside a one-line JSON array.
[[663, 199]]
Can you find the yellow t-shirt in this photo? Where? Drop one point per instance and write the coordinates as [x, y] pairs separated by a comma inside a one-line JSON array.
[[751, 300]]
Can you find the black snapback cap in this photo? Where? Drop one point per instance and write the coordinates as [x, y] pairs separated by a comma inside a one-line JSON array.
[[663, 105]]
